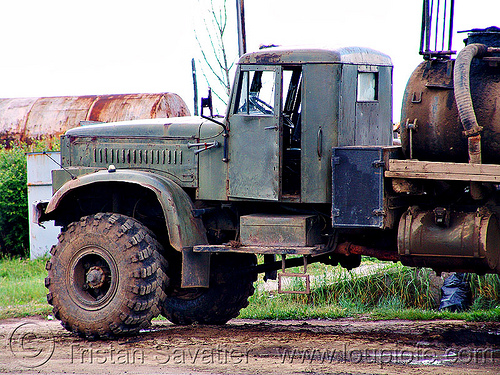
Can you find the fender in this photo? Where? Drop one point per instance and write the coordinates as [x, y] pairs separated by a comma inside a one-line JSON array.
[[184, 230]]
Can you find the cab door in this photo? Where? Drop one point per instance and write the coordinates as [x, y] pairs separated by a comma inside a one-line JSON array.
[[254, 135]]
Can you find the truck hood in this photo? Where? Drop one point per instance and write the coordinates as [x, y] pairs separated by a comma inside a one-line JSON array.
[[183, 127]]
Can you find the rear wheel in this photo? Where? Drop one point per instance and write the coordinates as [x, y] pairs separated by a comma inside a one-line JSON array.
[[106, 276], [231, 284]]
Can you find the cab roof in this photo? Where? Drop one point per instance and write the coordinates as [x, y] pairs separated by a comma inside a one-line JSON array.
[[308, 55]]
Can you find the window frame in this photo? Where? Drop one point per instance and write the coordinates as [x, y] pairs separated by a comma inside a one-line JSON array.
[[247, 69], [360, 99]]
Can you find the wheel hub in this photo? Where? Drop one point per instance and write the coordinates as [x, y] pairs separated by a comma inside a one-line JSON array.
[[95, 277]]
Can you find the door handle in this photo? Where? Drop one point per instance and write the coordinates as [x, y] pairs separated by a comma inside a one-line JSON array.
[[206, 146], [271, 127], [320, 142]]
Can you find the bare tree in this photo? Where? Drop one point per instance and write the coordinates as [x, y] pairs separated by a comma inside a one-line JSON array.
[[216, 65]]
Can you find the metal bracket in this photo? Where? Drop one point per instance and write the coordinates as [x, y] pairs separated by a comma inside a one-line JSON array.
[[442, 217], [199, 212], [304, 275], [205, 145], [411, 128], [378, 212], [416, 97]]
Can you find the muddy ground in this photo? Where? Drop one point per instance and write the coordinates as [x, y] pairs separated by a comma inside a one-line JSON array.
[[344, 346]]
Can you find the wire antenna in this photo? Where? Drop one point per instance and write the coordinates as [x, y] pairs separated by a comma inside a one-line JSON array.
[[73, 177]]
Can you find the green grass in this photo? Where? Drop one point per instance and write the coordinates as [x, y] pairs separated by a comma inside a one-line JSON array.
[[22, 290], [393, 292]]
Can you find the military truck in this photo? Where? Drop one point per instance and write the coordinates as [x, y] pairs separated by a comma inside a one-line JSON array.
[[167, 215]]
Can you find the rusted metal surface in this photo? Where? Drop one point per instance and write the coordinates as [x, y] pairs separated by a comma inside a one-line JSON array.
[[347, 248], [287, 250], [287, 275], [450, 240], [294, 275], [279, 230], [430, 128], [430, 125], [347, 55], [136, 106], [29, 119]]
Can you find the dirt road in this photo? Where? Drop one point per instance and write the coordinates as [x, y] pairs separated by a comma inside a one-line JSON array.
[[345, 346]]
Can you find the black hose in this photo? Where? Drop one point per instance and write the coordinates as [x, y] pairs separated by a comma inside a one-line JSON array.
[[461, 77], [463, 98]]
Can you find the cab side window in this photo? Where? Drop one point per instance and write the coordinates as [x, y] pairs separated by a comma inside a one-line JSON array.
[[257, 91], [367, 87]]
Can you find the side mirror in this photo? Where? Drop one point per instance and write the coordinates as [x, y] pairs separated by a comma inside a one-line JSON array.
[[207, 103]]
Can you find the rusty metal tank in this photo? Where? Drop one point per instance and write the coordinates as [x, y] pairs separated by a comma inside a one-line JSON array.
[[431, 128], [28, 119]]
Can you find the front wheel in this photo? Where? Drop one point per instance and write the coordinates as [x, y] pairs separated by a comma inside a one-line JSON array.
[[231, 284], [105, 276]]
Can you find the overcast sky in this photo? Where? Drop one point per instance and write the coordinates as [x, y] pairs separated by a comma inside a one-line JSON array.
[[69, 47]]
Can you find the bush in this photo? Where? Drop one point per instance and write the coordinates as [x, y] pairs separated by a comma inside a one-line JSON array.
[[14, 232]]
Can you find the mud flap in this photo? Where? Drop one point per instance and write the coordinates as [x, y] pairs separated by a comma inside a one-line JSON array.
[[195, 269]]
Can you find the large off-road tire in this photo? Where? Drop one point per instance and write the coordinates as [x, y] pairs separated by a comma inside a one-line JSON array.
[[105, 276], [231, 284]]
